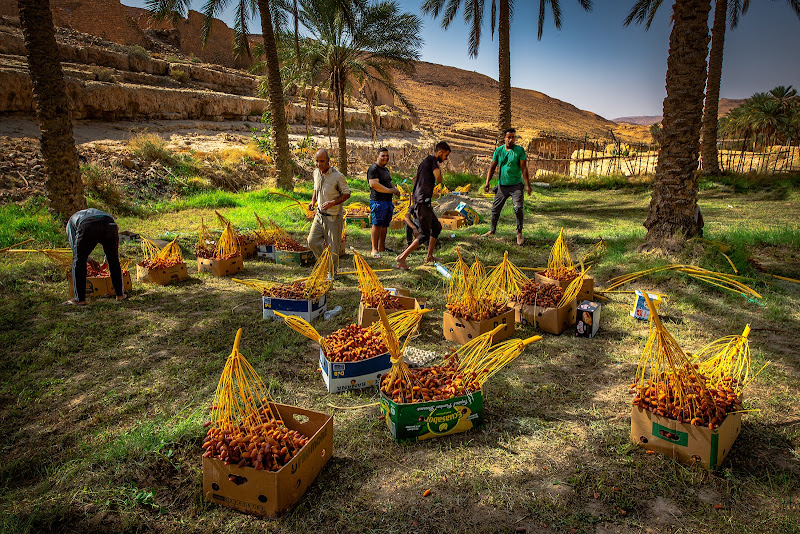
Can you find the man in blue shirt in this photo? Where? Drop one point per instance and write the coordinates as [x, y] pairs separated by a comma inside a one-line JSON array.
[[513, 164]]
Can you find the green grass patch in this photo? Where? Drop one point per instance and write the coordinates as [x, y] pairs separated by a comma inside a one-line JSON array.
[[30, 220]]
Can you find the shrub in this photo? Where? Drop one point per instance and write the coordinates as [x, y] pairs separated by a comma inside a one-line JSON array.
[[100, 187], [179, 75], [138, 52], [103, 75], [150, 146]]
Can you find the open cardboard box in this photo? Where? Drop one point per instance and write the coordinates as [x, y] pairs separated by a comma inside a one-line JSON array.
[[269, 493], [344, 376], [689, 444], [587, 287], [550, 320], [162, 277], [303, 258], [101, 286], [461, 331], [426, 420], [367, 316], [248, 250], [305, 308], [397, 224], [266, 251], [452, 220], [226, 267], [359, 222]]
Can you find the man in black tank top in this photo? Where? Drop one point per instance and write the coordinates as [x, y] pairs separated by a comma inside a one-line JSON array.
[[428, 175]]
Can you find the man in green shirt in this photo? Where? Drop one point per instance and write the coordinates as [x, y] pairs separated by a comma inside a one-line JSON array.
[[513, 165]]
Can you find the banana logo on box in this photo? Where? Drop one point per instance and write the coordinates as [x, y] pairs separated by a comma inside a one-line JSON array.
[[447, 421]]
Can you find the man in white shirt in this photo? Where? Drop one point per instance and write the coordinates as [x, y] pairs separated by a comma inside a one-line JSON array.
[[330, 191]]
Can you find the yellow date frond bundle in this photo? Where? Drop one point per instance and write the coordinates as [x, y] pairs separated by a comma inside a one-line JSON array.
[[559, 264], [728, 360], [228, 245], [726, 281], [505, 280], [301, 326]]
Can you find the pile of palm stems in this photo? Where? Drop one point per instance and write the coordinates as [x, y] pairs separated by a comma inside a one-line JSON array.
[[729, 282], [471, 297], [312, 287], [161, 258]]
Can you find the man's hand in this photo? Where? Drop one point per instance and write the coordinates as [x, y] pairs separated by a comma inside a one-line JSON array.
[[396, 191], [94, 264], [310, 206], [529, 189], [328, 204], [486, 187]]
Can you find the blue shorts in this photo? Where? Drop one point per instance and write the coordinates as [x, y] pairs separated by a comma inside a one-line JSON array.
[[381, 212]]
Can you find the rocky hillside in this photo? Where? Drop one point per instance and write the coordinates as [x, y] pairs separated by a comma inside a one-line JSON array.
[[725, 105]]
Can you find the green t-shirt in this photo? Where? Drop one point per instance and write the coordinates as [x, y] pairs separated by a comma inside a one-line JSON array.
[[508, 162]]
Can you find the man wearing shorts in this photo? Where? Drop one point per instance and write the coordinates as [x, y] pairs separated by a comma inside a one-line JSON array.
[[428, 175], [380, 201], [513, 165]]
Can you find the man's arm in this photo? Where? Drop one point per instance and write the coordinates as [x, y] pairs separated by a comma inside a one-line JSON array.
[[313, 200], [523, 165], [437, 174], [375, 184], [489, 174]]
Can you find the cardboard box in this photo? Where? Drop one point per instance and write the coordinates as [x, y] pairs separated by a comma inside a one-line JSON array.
[[587, 319], [640, 310], [468, 213], [304, 258], [266, 251], [686, 443], [249, 250], [461, 331], [307, 309], [344, 376], [101, 286], [227, 267], [359, 222], [426, 420], [162, 277], [587, 287], [269, 493], [367, 316], [397, 224], [452, 220], [550, 320]]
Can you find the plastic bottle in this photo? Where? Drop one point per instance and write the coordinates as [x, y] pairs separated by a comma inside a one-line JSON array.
[[444, 271], [332, 313]]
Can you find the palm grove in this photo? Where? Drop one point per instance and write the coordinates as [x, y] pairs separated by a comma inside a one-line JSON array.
[[357, 42]]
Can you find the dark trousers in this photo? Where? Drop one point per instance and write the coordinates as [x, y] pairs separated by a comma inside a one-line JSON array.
[[91, 233], [501, 195], [429, 225]]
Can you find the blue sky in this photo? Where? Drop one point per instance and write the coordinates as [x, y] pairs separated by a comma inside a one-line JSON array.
[[596, 64]]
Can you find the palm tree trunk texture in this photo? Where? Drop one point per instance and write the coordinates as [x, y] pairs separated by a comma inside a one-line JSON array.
[[711, 111], [504, 63], [342, 132], [283, 159], [674, 200], [64, 185]]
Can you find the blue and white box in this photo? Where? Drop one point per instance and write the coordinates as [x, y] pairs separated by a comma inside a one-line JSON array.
[[307, 309], [344, 376], [640, 310], [266, 251]]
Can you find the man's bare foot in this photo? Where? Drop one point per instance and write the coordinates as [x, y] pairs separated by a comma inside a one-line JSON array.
[[402, 265], [431, 259], [73, 302], [520, 239], [487, 234], [122, 297]]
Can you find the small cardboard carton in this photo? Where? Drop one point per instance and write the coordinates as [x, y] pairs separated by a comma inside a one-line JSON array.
[[640, 310], [269, 493], [468, 213], [266, 251], [587, 319], [426, 420], [367, 316], [227, 267], [344, 376], [397, 224], [461, 331], [303, 258], [162, 277], [248, 250], [550, 320], [587, 287], [686, 443], [358, 222], [452, 220], [101, 286], [305, 308]]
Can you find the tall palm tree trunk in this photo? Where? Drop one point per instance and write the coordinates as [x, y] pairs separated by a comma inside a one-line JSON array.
[[674, 200], [342, 131], [64, 185], [504, 63], [711, 111], [283, 159]]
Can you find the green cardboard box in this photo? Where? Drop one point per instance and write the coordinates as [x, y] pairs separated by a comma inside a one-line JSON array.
[[426, 420]]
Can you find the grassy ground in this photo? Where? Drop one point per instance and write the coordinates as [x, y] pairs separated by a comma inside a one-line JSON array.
[[102, 408]]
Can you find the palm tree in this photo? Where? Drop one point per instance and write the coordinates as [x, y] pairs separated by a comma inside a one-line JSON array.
[[473, 16], [64, 185], [273, 17], [673, 205], [722, 10], [381, 39]]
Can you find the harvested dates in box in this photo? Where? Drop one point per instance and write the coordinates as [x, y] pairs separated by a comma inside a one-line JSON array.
[[435, 383], [542, 295], [381, 296], [464, 311], [354, 343]]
